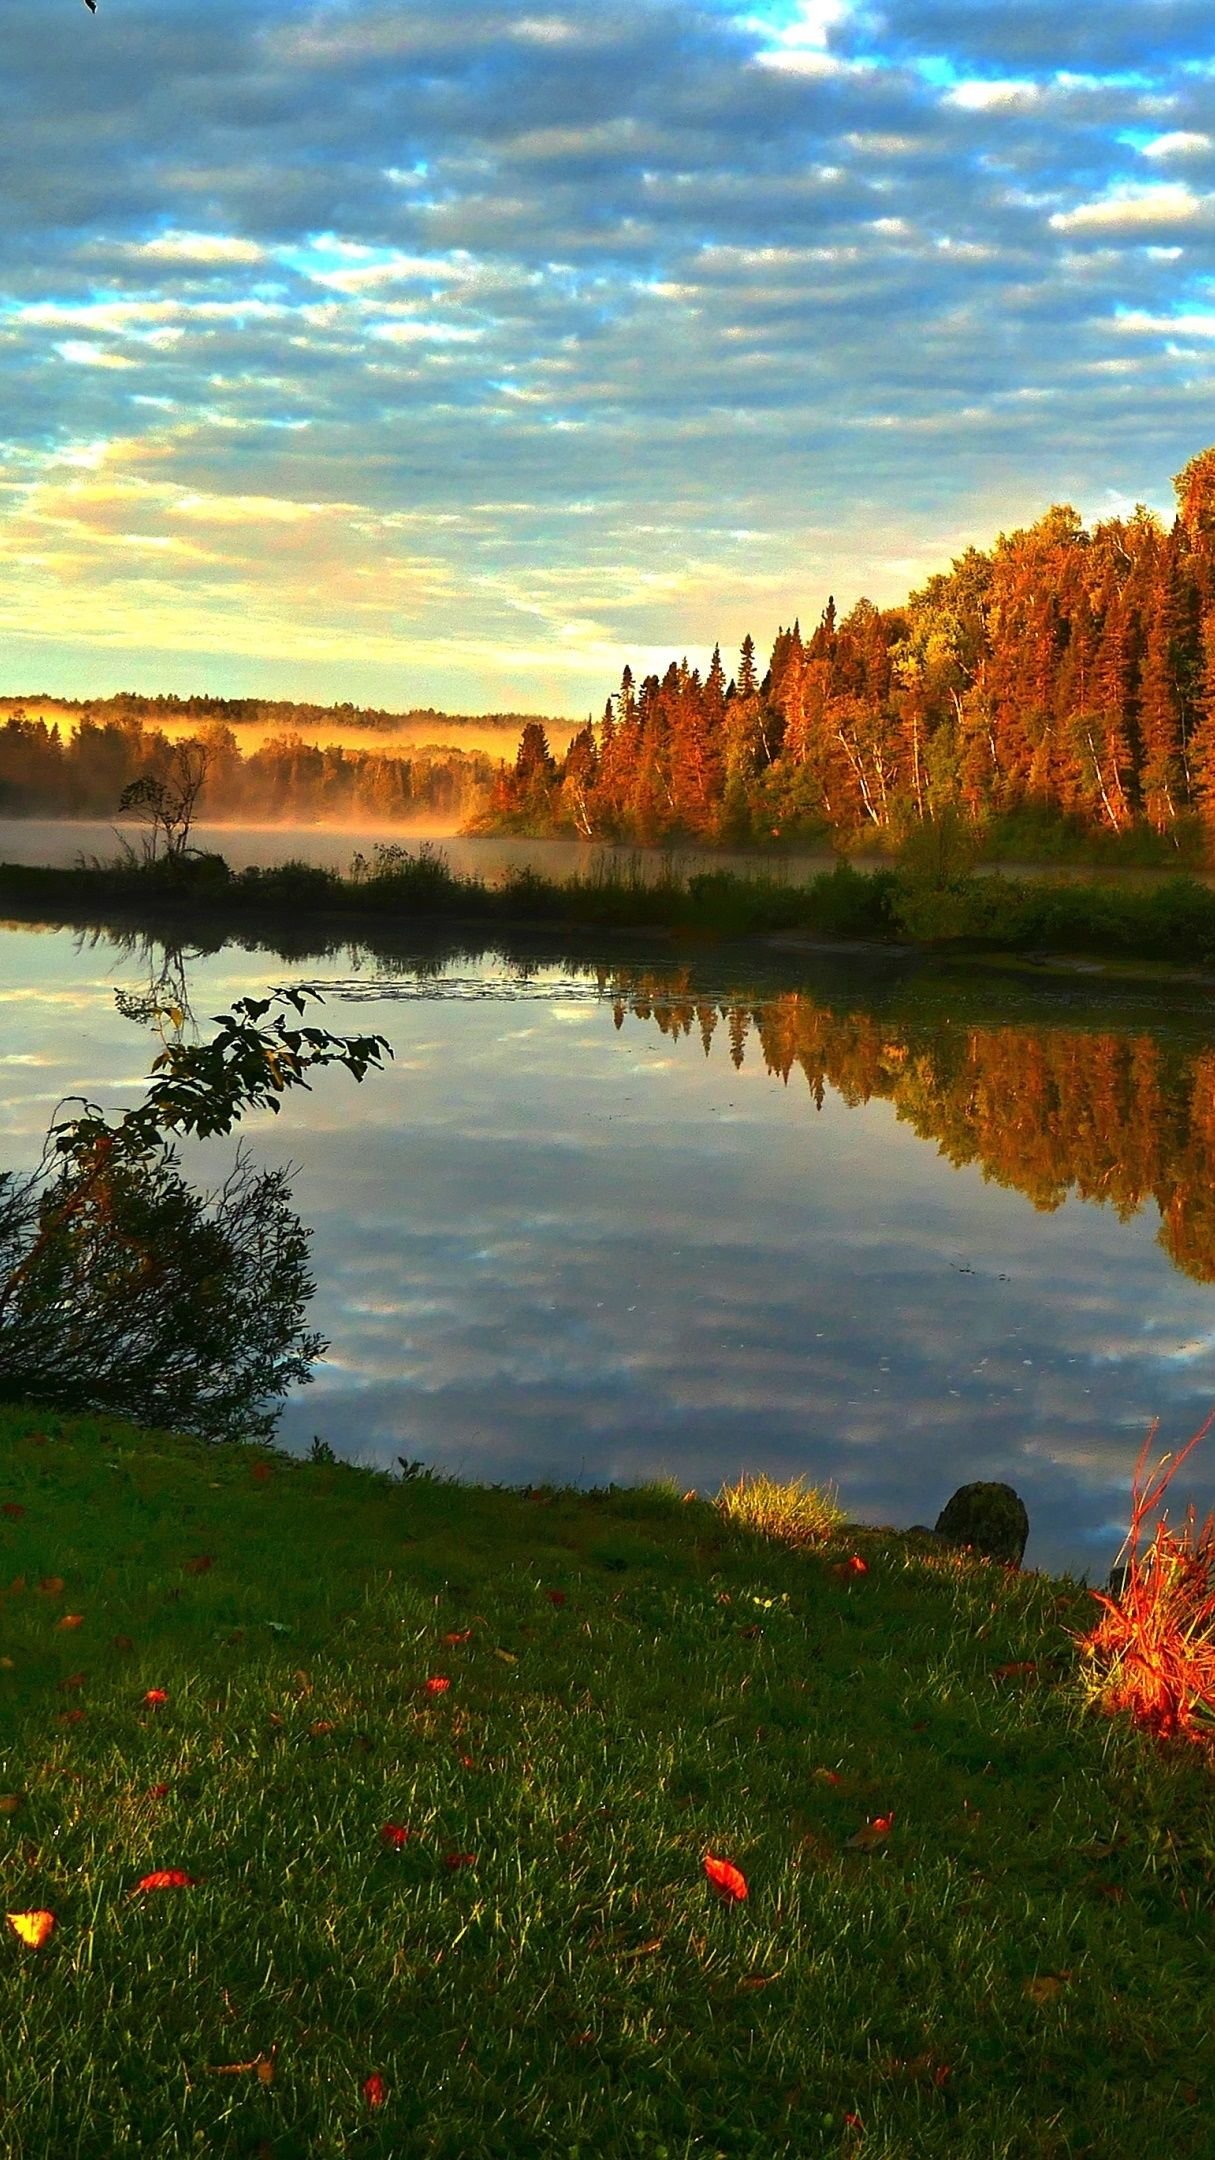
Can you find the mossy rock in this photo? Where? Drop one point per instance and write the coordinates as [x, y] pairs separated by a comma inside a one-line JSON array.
[[991, 1519]]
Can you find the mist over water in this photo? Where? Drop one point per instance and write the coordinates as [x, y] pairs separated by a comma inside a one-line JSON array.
[[606, 1220]]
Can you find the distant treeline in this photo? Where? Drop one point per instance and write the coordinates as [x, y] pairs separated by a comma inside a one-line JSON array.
[[283, 714], [1065, 674], [45, 774]]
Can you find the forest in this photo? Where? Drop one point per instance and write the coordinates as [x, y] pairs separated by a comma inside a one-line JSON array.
[[1065, 677], [45, 773]]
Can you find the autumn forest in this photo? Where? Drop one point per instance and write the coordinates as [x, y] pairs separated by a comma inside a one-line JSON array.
[[1065, 671]]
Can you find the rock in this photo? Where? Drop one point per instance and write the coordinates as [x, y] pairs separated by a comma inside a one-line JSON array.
[[989, 1518]]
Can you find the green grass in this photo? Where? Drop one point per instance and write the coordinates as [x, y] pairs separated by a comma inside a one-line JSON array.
[[1023, 1967]]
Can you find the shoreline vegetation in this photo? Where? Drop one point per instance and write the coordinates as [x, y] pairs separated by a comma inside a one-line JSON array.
[[513, 1799], [931, 900]]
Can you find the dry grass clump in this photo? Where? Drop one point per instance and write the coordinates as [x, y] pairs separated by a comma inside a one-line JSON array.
[[1153, 1650], [796, 1513]]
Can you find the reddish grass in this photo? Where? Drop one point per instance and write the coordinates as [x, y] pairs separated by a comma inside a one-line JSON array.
[[1153, 1650]]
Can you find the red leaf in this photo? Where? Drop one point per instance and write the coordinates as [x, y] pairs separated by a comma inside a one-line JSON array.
[[457, 1635], [155, 1696], [459, 1859], [725, 1877], [873, 1833], [395, 1834], [13, 1509], [436, 1685], [375, 2092], [261, 1471], [70, 1717], [854, 1566], [71, 1620], [123, 1642], [199, 1564], [51, 1585], [167, 1878], [555, 1597], [156, 1792], [1016, 1669]]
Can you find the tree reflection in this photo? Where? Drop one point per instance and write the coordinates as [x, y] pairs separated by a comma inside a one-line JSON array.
[[1119, 1118]]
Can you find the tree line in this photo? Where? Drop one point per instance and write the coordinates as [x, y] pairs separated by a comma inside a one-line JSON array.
[[1066, 671], [45, 773]]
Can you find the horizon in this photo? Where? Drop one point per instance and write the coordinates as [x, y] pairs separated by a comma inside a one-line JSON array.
[[467, 358]]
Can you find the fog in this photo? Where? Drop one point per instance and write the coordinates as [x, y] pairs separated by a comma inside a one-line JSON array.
[[494, 741]]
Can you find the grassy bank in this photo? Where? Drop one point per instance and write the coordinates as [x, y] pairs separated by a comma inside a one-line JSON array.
[[979, 1917], [1173, 922]]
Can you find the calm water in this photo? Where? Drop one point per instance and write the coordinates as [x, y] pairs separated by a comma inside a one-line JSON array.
[[603, 1219]]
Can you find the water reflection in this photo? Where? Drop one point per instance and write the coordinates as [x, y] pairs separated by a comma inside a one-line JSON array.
[[607, 1217]]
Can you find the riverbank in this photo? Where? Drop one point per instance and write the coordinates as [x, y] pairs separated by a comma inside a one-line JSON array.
[[1172, 924], [442, 1765]]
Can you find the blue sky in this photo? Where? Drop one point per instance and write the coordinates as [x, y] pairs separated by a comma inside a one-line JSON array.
[[456, 354]]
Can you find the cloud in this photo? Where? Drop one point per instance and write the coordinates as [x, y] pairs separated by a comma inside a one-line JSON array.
[[711, 272]]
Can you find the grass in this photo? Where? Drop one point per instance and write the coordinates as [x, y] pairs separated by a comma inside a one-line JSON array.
[[1019, 1964], [1171, 922]]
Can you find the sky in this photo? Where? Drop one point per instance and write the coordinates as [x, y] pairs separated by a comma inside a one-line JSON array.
[[439, 353]]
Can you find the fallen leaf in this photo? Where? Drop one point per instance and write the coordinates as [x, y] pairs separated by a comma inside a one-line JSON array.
[[16, 1586], [459, 1859], [73, 1680], [166, 1878], [199, 1564], [9, 1664], [70, 1717], [853, 1566], [395, 1834], [758, 1980], [827, 1777], [1020, 1667], [1111, 1890], [457, 1635], [122, 1642], [156, 1792], [555, 1597], [261, 2065], [71, 1620], [9, 1803], [261, 1471], [155, 1696], [1045, 1987], [507, 1656], [375, 2092], [645, 1949], [320, 1726], [51, 1585], [872, 1833], [436, 1685], [725, 1877], [34, 1928], [13, 1509]]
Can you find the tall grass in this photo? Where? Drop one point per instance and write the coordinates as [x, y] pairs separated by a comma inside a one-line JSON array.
[[1152, 1653]]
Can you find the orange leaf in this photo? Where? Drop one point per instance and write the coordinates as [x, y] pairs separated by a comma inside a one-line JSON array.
[[261, 1471], [155, 1696], [319, 1727], [395, 1834], [167, 1878], [262, 2064], [1045, 1987], [725, 1877], [873, 1833], [50, 1585], [9, 1803], [436, 1685], [457, 1635], [459, 1859], [375, 2092], [1014, 1671], [33, 1927], [71, 1620], [827, 1777]]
